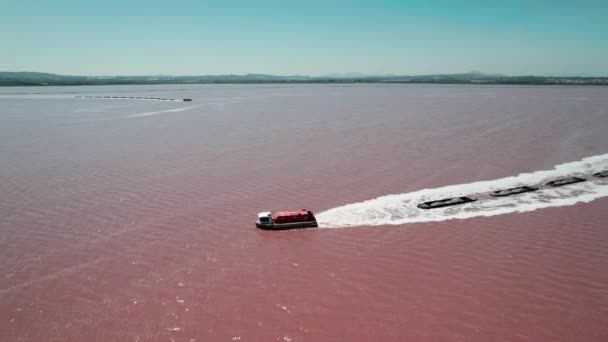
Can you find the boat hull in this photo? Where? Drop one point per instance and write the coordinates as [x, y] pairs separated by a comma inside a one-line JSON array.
[[446, 202], [512, 191], [601, 174], [286, 226], [566, 181]]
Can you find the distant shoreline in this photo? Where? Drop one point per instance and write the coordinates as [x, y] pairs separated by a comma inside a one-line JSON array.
[[12, 79]]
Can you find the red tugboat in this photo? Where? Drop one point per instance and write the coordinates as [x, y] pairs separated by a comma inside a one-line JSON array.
[[280, 220]]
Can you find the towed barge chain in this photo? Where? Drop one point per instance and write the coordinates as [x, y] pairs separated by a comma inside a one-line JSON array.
[[282, 220], [132, 98], [506, 192]]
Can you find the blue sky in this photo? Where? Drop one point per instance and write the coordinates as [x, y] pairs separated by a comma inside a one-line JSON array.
[[310, 37]]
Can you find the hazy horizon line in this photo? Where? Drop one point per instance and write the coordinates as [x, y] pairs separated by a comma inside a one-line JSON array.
[[350, 74]]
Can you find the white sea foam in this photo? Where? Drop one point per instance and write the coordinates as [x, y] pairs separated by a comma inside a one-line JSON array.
[[401, 208], [175, 110], [215, 103]]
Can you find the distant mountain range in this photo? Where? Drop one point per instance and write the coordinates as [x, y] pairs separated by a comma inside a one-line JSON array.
[[46, 79]]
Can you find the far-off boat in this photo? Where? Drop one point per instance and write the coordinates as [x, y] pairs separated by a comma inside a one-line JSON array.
[[281, 220]]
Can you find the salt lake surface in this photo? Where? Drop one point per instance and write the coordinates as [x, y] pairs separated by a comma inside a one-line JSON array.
[[133, 220]]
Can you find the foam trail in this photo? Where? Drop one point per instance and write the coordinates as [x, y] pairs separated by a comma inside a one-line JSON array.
[[401, 209], [216, 104], [175, 110]]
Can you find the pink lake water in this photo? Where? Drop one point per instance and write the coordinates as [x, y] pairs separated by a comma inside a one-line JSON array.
[[133, 220]]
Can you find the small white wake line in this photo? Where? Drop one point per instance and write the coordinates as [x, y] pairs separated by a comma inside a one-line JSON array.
[[210, 103], [402, 209], [175, 110]]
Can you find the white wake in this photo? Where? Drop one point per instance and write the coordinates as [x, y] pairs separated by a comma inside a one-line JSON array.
[[174, 110], [401, 209]]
